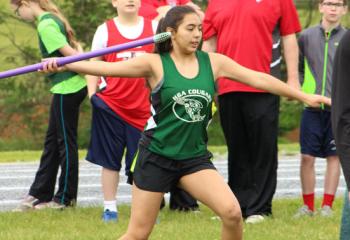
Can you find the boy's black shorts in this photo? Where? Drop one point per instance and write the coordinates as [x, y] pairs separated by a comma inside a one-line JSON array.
[[156, 173]]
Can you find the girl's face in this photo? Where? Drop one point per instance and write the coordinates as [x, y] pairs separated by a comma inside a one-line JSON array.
[[188, 35], [127, 6], [23, 11]]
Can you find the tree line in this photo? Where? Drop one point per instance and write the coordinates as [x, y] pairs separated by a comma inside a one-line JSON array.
[[24, 100]]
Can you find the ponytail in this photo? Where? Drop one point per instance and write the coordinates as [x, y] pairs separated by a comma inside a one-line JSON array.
[[165, 46], [49, 6]]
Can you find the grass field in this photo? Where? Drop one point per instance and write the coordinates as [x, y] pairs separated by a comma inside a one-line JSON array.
[[85, 224], [30, 156]]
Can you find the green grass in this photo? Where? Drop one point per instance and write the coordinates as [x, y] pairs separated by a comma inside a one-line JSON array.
[[288, 149], [85, 224], [31, 156], [26, 156]]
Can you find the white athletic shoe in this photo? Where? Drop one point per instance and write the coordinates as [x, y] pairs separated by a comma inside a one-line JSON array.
[[303, 212], [26, 204], [255, 219], [326, 211], [51, 205]]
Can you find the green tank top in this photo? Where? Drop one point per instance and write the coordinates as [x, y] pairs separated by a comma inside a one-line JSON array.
[[181, 110]]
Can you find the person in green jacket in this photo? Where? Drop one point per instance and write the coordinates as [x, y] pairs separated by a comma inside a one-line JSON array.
[[56, 39], [173, 147], [318, 45]]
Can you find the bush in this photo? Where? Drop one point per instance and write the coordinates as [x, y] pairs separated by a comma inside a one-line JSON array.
[[290, 115]]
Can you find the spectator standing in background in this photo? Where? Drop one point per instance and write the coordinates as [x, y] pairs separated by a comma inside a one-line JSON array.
[[121, 108], [56, 39], [250, 32], [317, 49]]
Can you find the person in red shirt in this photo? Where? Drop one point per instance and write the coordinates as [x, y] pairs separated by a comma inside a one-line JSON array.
[[251, 32], [121, 108], [156, 9]]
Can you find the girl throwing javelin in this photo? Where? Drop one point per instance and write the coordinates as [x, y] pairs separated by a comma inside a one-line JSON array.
[[173, 147]]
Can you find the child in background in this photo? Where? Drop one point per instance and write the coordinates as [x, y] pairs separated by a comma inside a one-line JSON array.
[[121, 107], [56, 39], [317, 49]]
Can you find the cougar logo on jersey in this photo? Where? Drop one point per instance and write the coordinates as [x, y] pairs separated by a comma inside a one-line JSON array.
[[193, 108], [189, 106]]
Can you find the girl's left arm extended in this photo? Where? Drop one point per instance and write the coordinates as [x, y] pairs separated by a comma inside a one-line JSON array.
[[223, 66]]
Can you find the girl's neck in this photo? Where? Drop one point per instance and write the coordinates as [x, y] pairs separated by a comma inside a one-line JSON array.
[[37, 10], [182, 57], [128, 19]]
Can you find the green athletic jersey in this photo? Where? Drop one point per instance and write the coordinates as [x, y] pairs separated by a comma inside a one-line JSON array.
[[52, 37], [181, 110]]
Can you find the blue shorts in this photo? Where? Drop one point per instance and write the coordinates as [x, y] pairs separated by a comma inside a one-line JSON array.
[[316, 137], [110, 136]]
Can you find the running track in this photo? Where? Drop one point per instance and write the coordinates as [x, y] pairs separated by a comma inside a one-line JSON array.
[[15, 180]]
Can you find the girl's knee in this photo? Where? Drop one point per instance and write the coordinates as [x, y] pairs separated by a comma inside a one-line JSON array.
[[138, 231], [231, 214]]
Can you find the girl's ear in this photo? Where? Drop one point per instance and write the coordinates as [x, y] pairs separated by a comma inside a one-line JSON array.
[[114, 3], [171, 30], [28, 3], [23, 2]]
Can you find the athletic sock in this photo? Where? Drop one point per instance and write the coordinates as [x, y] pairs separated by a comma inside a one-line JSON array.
[[328, 200], [110, 205], [309, 200]]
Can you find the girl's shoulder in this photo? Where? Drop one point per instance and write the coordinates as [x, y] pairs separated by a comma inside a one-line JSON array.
[[49, 20], [154, 59], [48, 17], [207, 56], [153, 56]]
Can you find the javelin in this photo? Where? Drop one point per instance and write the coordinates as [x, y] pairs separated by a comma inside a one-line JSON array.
[[161, 37]]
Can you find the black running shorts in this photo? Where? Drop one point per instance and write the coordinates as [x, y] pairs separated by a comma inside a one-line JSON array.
[[156, 173]]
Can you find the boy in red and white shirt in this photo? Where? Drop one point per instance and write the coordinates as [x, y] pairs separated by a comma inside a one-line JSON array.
[[121, 108]]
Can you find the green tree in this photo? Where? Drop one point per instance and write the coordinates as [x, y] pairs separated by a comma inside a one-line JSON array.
[[24, 100], [86, 15]]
